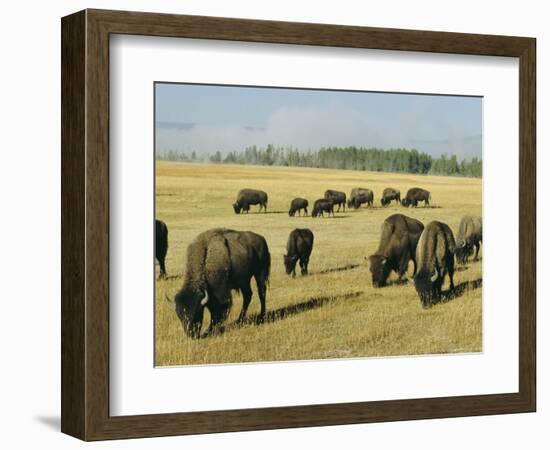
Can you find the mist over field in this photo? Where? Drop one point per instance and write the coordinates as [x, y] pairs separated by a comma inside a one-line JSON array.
[[206, 119]]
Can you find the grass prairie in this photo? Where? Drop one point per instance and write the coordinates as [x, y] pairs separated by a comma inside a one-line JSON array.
[[334, 312]]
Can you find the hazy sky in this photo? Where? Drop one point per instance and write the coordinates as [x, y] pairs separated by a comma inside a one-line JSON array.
[[210, 118]]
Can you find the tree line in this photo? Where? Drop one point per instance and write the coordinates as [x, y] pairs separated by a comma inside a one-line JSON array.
[[351, 158]]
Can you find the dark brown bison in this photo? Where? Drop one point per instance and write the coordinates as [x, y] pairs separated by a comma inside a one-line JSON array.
[[298, 248], [360, 196], [321, 206], [161, 245], [337, 198], [218, 261], [470, 234], [415, 195], [435, 259], [296, 205], [400, 235], [247, 197], [390, 194]]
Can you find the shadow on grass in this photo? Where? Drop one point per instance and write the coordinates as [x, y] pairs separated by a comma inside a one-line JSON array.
[[170, 277], [460, 290], [336, 269], [283, 313]]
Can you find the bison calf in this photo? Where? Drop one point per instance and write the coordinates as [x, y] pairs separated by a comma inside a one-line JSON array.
[[296, 205], [435, 259], [321, 206], [298, 248], [469, 236], [161, 245], [415, 195], [400, 235], [218, 261]]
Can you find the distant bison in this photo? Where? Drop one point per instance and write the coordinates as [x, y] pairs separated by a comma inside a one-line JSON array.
[[296, 205], [400, 235], [321, 206], [470, 234], [415, 195], [435, 259], [390, 194], [298, 248], [247, 197], [219, 260], [337, 197], [161, 245], [360, 196]]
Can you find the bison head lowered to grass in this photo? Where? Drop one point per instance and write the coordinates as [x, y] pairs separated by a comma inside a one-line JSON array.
[[218, 261], [247, 197], [397, 247], [435, 259], [470, 235]]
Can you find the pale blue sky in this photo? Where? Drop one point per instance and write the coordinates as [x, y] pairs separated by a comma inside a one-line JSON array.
[[206, 118]]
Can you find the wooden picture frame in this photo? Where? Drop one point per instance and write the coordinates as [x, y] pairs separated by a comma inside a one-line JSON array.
[[85, 224]]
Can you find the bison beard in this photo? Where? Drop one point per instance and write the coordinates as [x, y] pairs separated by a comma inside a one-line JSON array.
[[219, 261]]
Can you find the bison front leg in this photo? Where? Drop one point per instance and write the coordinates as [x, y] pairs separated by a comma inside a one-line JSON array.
[[305, 211], [476, 257], [247, 297]]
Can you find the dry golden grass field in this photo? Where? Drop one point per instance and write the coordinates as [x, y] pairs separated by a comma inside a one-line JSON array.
[[334, 312]]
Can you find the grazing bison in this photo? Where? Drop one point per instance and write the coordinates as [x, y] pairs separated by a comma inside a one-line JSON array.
[[161, 245], [390, 194], [321, 206], [337, 198], [219, 260], [296, 205], [469, 236], [298, 247], [247, 197], [415, 195], [400, 235], [435, 259], [360, 196]]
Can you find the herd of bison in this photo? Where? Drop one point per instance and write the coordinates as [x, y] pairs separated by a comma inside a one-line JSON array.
[[221, 260]]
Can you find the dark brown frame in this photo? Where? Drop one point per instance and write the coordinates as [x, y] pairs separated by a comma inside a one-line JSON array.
[[85, 224]]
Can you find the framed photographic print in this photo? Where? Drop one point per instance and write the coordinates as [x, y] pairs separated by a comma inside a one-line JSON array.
[[272, 224]]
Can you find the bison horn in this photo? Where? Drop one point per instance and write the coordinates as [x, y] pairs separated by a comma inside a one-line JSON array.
[[204, 301], [434, 276], [169, 300], [462, 244]]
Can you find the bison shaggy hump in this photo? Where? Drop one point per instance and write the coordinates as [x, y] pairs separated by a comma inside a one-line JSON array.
[[247, 197], [400, 235], [218, 261], [435, 259]]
